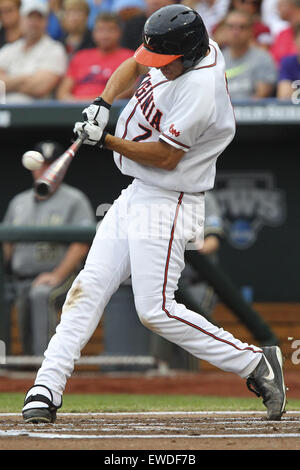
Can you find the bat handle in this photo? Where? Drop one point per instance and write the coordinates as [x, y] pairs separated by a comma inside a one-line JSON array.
[[78, 142], [83, 136]]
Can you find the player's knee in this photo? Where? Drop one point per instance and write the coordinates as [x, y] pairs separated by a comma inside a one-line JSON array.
[[149, 310], [94, 277]]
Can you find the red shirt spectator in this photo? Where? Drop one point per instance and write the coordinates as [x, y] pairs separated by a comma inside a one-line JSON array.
[[90, 69], [284, 45]]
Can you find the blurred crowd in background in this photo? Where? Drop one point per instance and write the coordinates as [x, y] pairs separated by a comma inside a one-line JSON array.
[[67, 49]]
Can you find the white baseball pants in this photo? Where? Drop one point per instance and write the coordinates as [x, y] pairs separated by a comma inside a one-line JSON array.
[[144, 234]]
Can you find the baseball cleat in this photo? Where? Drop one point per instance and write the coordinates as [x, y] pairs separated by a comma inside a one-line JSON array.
[[39, 407], [267, 381]]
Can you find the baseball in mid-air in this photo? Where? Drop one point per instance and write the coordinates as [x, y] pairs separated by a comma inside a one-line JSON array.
[[32, 160]]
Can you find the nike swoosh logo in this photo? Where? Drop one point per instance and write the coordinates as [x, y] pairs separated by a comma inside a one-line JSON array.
[[270, 376]]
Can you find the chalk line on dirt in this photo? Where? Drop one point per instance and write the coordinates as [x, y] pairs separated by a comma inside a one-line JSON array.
[[150, 436], [158, 413]]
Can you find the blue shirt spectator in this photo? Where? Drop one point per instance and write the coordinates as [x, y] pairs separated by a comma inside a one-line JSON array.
[[289, 72], [54, 28], [289, 68]]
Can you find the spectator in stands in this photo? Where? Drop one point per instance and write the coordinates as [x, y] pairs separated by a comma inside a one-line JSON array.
[[211, 11], [32, 66], [284, 43], [54, 27], [77, 35], [10, 19], [272, 18], [90, 69], [97, 7], [133, 28], [127, 9], [289, 71], [41, 273], [250, 70], [261, 33]]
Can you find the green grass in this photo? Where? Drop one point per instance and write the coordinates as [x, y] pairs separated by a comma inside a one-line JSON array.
[[13, 402]]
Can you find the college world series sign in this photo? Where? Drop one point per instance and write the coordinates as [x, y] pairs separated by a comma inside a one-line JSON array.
[[249, 201]]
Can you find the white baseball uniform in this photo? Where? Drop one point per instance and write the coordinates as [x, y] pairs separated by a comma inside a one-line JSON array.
[[146, 230]]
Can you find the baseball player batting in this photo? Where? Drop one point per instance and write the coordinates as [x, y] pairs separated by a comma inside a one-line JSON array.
[[168, 138]]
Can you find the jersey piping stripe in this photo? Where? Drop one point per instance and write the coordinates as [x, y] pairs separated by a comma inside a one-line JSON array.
[[126, 126], [165, 285], [211, 65], [176, 141]]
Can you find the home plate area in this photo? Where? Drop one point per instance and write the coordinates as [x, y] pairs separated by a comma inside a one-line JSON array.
[[195, 430]]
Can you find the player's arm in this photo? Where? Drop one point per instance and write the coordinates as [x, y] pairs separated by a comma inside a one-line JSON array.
[[156, 154], [123, 78], [120, 85]]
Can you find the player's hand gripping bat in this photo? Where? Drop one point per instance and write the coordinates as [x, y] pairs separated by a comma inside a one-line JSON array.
[[53, 176]]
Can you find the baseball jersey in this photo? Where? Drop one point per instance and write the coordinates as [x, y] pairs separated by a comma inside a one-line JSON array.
[[67, 206], [192, 113]]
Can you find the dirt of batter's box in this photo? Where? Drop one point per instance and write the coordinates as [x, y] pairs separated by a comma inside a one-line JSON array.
[[153, 432], [23, 443]]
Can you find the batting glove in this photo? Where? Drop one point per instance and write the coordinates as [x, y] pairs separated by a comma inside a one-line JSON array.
[[97, 113], [94, 132]]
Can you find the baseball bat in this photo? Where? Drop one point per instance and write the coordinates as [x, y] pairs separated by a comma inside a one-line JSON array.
[[53, 176]]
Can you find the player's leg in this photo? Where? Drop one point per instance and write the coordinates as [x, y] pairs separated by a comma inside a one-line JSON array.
[[107, 265], [156, 265]]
